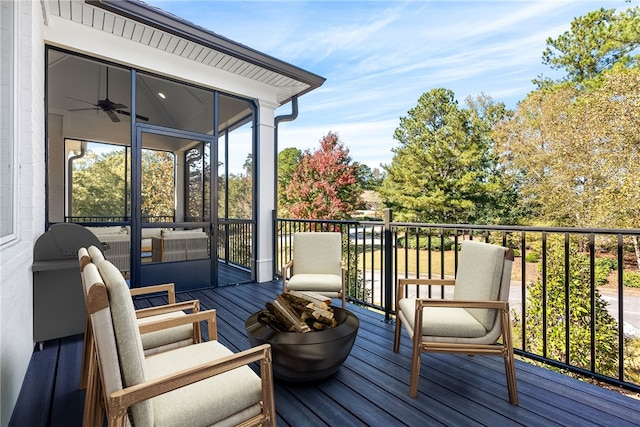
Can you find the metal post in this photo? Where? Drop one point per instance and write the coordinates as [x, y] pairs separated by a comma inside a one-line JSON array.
[[388, 265]]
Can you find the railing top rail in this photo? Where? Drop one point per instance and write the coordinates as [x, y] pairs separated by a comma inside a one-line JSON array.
[[626, 231], [331, 221], [548, 229]]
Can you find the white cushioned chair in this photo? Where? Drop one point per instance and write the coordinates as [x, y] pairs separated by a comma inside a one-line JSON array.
[[316, 265], [198, 385], [153, 342], [472, 322]]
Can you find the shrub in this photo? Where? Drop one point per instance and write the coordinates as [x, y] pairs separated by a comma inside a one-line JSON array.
[[610, 263], [604, 266], [532, 257], [552, 316], [632, 279], [423, 243]]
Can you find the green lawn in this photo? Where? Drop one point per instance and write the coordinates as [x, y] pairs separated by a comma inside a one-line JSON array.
[[412, 258]]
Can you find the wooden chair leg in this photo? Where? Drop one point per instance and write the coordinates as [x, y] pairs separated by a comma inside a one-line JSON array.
[[509, 359], [87, 349], [415, 369], [396, 336], [510, 370], [93, 413]]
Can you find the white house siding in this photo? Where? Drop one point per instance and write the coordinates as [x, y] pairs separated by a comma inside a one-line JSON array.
[[16, 257]]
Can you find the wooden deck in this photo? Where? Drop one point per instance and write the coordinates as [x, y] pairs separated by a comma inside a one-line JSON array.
[[370, 389]]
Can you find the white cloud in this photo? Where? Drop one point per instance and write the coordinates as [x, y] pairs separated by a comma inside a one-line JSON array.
[[380, 56]]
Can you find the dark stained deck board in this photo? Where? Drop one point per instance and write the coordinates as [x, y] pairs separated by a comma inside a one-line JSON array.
[[370, 389], [68, 398], [229, 275], [35, 399]]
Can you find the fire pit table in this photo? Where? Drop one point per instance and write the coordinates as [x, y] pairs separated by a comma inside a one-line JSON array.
[[309, 356]]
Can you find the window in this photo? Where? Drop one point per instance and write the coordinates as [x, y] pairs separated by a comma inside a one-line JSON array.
[[7, 127], [98, 184]]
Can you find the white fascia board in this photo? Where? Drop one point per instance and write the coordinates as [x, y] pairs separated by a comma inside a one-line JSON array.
[[84, 39]]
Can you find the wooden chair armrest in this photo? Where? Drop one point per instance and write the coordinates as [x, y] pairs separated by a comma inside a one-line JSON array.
[[192, 318], [403, 283], [283, 274], [193, 305], [287, 267], [121, 400], [433, 302], [169, 288]]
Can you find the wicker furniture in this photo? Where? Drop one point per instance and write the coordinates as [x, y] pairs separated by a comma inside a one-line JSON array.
[[116, 243], [472, 322], [180, 245]]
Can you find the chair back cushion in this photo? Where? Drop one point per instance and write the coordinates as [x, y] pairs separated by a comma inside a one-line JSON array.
[[95, 254], [103, 333], [125, 325], [479, 276], [317, 253], [83, 258]]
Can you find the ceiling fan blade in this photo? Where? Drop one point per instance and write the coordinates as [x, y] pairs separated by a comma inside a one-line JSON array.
[[113, 116], [118, 106], [138, 116], [82, 100], [85, 109]]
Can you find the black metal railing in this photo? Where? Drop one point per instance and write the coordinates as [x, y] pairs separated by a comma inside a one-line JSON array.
[[568, 284], [235, 242], [118, 219], [235, 236]]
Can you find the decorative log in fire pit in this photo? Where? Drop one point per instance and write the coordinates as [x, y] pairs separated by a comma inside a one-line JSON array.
[[295, 311], [320, 343]]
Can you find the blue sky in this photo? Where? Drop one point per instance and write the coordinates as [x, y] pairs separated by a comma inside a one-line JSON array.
[[379, 56]]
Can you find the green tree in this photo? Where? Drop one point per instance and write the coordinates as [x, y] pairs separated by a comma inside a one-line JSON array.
[[444, 169], [99, 185], [573, 146], [324, 185], [288, 160], [370, 179], [576, 151], [158, 186], [595, 43], [240, 187]]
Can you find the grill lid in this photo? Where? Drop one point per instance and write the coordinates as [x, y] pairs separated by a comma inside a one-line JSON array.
[[62, 242]]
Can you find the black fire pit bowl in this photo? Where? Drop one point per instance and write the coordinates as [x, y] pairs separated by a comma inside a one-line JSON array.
[[311, 356]]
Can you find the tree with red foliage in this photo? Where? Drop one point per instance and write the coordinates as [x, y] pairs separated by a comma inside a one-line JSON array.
[[325, 184]]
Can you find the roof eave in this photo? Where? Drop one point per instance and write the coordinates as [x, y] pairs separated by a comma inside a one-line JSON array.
[[172, 24]]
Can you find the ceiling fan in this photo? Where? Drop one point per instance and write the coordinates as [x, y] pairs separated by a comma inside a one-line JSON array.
[[108, 106]]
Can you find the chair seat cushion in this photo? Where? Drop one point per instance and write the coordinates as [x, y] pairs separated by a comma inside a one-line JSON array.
[[206, 402], [443, 321], [315, 282], [166, 338]]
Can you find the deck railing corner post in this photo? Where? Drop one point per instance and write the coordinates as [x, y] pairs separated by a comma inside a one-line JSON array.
[[388, 262]]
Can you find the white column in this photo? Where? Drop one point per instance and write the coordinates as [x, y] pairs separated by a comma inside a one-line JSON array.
[[266, 161]]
